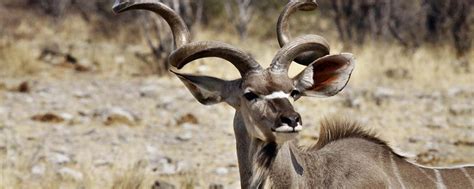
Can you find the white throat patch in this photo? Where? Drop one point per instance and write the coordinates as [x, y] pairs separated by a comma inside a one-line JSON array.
[[277, 94]]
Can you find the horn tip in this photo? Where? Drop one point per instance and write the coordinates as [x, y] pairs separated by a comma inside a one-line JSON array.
[[177, 65], [173, 71], [120, 6], [309, 5]]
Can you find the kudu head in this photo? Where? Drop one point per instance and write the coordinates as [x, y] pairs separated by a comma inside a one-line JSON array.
[[262, 96]]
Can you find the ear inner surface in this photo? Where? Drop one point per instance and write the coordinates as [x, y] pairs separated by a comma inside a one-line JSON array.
[[326, 76], [207, 90]]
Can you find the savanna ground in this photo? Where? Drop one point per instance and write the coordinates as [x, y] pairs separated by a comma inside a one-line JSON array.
[[106, 122]]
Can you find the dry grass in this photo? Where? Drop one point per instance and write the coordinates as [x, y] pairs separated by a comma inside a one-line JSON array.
[[26, 37]]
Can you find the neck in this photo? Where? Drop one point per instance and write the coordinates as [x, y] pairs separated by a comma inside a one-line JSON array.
[[243, 150]]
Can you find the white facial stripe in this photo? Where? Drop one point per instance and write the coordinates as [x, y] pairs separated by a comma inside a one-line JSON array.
[[277, 94]]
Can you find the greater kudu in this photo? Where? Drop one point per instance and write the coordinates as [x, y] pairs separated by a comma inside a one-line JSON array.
[[265, 121]]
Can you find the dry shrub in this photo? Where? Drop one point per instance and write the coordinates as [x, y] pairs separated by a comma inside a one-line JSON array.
[[409, 22], [452, 20], [133, 178], [15, 61]]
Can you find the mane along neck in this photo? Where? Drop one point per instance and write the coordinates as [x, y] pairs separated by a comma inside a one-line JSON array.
[[333, 130]]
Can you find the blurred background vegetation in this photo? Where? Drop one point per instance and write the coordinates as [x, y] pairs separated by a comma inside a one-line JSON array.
[[411, 24]]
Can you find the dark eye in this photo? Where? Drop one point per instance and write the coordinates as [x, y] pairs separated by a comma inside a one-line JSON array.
[[295, 94], [250, 96]]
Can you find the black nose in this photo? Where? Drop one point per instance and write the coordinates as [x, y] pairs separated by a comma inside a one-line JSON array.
[[290, 118]]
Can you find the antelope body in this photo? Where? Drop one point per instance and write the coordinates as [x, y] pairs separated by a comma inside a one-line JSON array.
[[265, 121]]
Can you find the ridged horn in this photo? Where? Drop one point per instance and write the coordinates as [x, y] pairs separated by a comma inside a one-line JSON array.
[[179, 29], [284, 36], [282, 60], [196, 50]]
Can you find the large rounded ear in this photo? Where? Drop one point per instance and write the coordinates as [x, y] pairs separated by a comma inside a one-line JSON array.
[[326, 76], [210, 90], [207, 90]]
